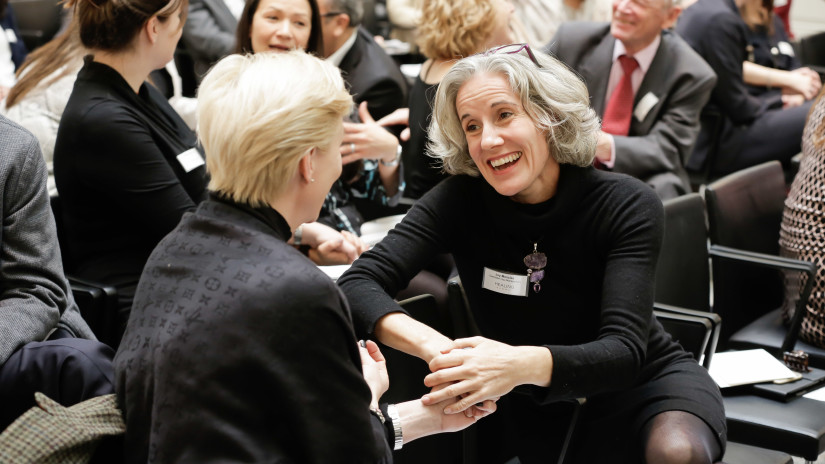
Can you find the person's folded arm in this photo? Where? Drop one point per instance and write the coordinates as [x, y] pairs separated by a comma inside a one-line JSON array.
[[33, 290]]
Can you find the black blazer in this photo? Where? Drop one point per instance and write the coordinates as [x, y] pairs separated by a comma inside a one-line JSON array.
[[373, 76], [117, 169]]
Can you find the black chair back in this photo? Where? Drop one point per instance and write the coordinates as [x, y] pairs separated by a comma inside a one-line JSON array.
[[683, 271], [745, 212]]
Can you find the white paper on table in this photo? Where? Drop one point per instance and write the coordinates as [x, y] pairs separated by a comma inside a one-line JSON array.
[[334, 272], [818, 394], [732, 368]]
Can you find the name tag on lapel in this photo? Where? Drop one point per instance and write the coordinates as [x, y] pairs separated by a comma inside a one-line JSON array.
[[644, 106], [504, 282], [785, 48], [190, 159]]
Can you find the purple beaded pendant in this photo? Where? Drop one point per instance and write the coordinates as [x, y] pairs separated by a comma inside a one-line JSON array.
[[535, 263]]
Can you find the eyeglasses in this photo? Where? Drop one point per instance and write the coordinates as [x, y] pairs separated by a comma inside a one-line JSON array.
[[332, 13], [512, 49]]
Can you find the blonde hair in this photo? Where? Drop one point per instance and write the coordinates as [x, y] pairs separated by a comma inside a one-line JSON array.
[[553, 96], [451, 29], [259, 114]]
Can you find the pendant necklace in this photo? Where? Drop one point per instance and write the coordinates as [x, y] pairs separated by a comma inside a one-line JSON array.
[[535, 262]]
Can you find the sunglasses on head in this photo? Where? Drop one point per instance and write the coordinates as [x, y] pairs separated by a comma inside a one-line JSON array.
[[511, 49]]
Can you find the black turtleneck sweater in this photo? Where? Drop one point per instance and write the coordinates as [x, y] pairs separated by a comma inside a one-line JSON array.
[[601, 234]]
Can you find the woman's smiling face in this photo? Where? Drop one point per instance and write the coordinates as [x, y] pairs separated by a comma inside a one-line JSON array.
[[511, 153], [281, 25]]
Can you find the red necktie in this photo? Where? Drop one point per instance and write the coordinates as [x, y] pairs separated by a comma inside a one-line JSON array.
[[616, 119]]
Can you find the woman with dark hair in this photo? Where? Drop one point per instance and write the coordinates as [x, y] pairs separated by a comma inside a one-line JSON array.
[[126, 164], [280, 25]]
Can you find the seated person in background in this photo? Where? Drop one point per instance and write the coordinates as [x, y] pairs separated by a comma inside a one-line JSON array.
[[12, 49], [209, 32], [749, 130], [126, 165], [542, 18], [803, 222], [449, 31], [43, 339], [650, 119], [231, 325], [371, 75], [557, 260], [273, 26], [45, 82], [771, 66]]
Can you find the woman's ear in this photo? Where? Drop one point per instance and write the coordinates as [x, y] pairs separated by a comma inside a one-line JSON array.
[[152, 29], [306, 167]]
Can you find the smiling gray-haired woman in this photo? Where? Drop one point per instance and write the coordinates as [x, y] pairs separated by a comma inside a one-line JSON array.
[[557, 260]]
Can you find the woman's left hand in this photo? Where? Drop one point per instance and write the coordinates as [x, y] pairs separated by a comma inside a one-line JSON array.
[[374, 368], [483, 369], [367, 140]]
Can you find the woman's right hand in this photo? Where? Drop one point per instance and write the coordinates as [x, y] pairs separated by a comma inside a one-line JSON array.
[[805, 82], [328, 246], [401, 116]]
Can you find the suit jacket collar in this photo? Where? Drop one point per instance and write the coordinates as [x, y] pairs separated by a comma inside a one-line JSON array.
[[595, 70], [337, 57], [657, 74], [353, 56]]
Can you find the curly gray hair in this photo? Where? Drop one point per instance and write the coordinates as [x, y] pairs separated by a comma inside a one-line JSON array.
[[554, 97]]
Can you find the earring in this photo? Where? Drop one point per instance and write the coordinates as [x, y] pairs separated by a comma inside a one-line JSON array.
[[312, 180]]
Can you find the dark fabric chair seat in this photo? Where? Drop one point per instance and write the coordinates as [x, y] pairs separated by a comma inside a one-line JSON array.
[[738, 453], [796, 427], [769, 332]]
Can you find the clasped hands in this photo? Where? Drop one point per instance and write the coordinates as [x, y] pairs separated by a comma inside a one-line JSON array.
[[419, 418], [478, 371]]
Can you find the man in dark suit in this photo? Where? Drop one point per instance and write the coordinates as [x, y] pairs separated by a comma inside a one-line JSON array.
[[370, 73], [749, 130], [670, 85], [209, 32]]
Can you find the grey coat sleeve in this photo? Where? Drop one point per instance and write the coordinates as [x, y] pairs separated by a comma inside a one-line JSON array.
[[34, 292], [205, 38]]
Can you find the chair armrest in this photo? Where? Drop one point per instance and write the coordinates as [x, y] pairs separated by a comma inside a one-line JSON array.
[[714, 319], [779, 263]]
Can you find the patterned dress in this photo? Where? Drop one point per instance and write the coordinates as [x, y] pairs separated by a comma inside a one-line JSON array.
[[803, 225]]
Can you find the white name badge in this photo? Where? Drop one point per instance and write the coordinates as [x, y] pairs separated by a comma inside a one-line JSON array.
[[11, 36], [504, 282], [190, 159], [644, 106], [785, 48]]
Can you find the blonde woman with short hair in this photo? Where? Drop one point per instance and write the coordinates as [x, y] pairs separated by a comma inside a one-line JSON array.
[[239, 349]]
